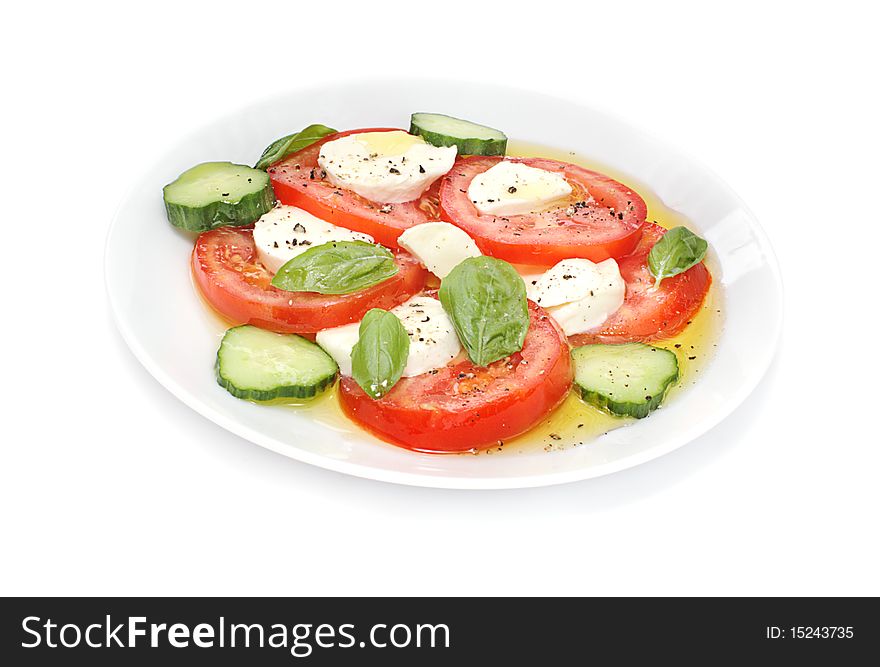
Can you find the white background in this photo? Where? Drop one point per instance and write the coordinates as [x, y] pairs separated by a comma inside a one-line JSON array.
[[109, 485]]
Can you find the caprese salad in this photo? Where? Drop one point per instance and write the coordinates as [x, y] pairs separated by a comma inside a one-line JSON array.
[[456, 294]]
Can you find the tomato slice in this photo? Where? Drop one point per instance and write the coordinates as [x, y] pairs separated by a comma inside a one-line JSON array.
[[648, 314], [297, 181], [463, 407], [602, 218], [229, 274]]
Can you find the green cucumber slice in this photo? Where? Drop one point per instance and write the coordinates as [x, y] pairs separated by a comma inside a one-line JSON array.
[[260, 365], [627, 380], [470, 138], [217, 194]]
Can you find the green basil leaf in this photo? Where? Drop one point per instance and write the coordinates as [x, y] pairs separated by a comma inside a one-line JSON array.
[[338, 267], [486, 300], [677, 250], [292, 143], [379, 356]]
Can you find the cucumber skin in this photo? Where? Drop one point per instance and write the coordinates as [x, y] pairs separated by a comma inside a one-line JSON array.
[[261, 395], [627, 408], [465, 146], [221, 214]]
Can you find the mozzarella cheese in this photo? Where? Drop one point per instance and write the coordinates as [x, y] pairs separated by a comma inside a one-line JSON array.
[[389, 167], [579, 294], [433, 342], [338, 342], [440, 246], [513, 188], [287, 231]]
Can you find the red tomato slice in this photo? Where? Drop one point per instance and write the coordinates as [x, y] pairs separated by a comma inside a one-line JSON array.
[[463, 407], [232, 279], [648, 314], [602, 218], [297, 182]]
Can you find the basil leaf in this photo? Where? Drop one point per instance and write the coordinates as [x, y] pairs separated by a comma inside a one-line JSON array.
[[337, 267], [292, 143], [677, 250], [379, 356], [486, 300]]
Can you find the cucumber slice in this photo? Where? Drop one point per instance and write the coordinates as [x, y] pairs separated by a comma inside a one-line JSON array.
[[260, 365], [627, 380], [471, 139], [217, 194]]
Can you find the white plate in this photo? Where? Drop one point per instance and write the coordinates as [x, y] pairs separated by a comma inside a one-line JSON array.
[[173, 335]]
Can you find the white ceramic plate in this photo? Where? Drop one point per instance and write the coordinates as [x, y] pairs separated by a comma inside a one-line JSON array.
[[175, 337]]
